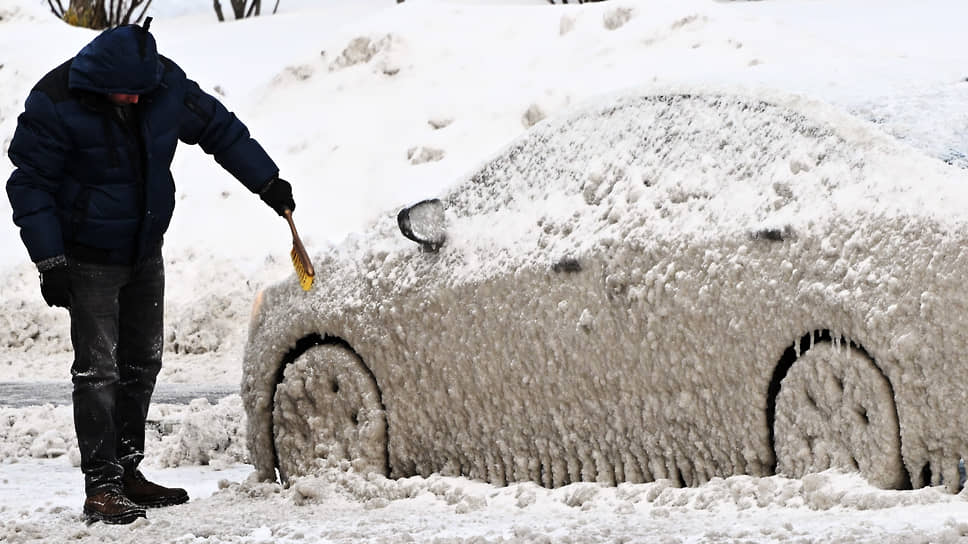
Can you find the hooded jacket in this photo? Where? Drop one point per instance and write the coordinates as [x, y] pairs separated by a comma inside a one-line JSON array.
[[92, 182]]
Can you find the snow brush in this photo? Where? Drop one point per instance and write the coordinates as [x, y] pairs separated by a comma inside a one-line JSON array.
[[300, 259]]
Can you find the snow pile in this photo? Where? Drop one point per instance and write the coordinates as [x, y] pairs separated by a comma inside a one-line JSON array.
[[208, 301], [41, 431], [200, 434], [656, 257], [27, 326], [210, 297], [197, 434]]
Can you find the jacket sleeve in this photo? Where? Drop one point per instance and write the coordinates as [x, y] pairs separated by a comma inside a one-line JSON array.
[[39, 147], [205, 121]]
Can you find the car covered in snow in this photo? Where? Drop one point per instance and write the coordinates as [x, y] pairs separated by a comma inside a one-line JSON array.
[[668, 284]]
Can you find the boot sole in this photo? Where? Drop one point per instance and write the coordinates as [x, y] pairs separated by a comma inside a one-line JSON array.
[[117, 519], [160, 503]]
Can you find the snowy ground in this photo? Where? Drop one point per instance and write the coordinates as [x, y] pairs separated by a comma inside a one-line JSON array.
[[340, 93]]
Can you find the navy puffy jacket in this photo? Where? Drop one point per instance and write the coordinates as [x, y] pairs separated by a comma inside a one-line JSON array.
[[86, 179]]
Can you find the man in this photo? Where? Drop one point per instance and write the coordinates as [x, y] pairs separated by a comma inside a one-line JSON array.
[[93, 196]]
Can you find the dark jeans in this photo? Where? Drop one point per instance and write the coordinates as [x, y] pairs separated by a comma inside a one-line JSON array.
[[117, 329]]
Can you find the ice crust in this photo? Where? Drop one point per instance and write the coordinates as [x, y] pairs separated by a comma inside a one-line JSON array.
[[620, 284]]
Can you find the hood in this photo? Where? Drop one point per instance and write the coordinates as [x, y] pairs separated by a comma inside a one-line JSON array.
[[120, 60]]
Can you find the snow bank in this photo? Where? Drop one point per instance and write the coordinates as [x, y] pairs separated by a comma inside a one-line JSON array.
[[27, 325], [208, 301], [657, 255], [197, 434]]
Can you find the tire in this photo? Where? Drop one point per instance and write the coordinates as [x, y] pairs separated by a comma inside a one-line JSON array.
[[328, 409], [835, 409]]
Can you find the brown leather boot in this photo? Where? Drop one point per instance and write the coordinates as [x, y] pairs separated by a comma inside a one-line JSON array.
[[110, 506], [149, 494]]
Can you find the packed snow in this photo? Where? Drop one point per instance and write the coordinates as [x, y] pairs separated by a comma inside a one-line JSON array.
[[369, 105]]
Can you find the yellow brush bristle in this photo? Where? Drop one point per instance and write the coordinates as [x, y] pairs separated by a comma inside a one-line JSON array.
[[305, 279]]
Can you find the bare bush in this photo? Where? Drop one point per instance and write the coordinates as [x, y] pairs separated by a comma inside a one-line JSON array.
[[100, 14], [241, 8]]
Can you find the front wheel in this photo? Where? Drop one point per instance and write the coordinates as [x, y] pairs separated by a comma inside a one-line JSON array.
[[328, 408], [835, 408]]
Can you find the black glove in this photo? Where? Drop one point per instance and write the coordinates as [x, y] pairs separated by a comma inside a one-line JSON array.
[[55, 281], [278, 195]]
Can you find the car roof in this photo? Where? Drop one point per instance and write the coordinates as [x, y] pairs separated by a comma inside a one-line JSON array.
[[664, 165]]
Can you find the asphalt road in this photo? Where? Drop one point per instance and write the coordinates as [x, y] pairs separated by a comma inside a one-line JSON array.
[[20, 394]]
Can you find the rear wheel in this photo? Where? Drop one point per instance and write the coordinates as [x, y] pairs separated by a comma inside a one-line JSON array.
[[328, 408], [835, 408]]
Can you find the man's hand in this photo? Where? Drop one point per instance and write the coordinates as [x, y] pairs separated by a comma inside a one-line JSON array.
[[278, 195], [55, 281]]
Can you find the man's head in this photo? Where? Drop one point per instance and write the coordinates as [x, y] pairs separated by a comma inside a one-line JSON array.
[[120, 62]]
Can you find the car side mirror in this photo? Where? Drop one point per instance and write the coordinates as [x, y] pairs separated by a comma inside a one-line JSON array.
[[424, 223]]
